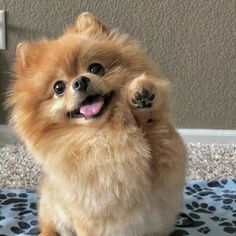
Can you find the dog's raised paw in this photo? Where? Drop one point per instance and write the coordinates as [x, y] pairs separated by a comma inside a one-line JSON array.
[[143, 98]]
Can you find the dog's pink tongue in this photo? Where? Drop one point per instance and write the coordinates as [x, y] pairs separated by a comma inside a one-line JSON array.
[[92, 109]]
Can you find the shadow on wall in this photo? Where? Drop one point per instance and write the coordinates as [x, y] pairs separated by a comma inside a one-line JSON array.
[[6, 73], [23, 32], [5, 76]]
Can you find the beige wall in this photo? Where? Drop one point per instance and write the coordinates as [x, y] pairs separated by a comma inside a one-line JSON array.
[[194, 42]]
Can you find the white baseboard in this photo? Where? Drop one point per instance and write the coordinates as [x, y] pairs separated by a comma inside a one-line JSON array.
[[6, 134], [203, 136], [208, 136]]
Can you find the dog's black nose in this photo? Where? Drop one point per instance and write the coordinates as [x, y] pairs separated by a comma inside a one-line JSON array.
[[81, 83]]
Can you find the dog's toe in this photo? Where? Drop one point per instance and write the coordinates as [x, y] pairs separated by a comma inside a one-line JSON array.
[[143, 99]]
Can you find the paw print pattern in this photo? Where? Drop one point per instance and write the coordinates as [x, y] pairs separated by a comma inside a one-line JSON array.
[[229, 198], [210, 208], [143, 99], [217, 219], [201, 208], [191, 220], [229, 227], [228, 208], [24, 227], [204, 230], [217, 197], [217, 184], [21, 206], [198, 192], [179, 232]]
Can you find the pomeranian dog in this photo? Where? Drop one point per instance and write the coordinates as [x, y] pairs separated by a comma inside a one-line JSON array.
[[95, 114]]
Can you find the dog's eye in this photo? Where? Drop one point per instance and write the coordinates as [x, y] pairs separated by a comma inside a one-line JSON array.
[[96, 69], [59, 87]]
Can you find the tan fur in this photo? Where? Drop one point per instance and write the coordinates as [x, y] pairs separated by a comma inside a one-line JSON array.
[[118, 174]]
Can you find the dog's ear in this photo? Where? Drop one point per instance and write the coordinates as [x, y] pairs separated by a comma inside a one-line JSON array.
[[88, 23], [22, 55]]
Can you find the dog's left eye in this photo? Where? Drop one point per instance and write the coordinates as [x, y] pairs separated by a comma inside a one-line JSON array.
[[59, 87], [96, 69]]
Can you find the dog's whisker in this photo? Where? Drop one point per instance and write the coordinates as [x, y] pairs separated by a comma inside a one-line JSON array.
[[74, 155], [105, 77], [110, 72], [92, 52], [112, 64], [68, 28], [107, 68]]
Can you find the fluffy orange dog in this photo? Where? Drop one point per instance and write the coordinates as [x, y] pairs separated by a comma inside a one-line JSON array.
[[95, 115]]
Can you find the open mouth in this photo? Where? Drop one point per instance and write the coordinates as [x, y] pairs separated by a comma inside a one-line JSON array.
[[92, 106]]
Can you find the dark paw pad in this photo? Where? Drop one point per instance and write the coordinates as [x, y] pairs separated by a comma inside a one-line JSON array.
[[143, 99]]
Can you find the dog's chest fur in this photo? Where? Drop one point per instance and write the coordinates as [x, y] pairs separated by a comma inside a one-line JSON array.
[[111, 174]]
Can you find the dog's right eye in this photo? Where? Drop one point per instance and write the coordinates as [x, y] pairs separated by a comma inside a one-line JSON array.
[[96, 69], [59, 87]]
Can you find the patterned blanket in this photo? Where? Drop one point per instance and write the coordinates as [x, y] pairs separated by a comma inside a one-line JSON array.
[[209, 209]]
